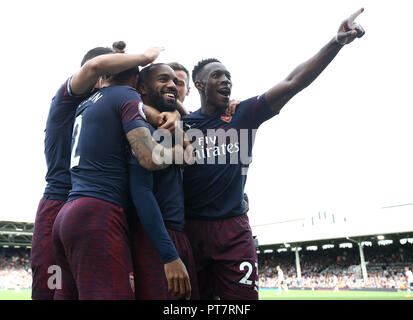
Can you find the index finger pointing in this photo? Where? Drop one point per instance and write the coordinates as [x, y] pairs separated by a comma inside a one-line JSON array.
[[353, 17]]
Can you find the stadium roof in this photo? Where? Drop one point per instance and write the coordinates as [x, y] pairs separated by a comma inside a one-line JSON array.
[[322, 226], [391, 220], [373, 239], [16, 234]]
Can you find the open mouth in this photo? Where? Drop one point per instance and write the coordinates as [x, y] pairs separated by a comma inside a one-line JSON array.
[[170, 95], [226, 92]]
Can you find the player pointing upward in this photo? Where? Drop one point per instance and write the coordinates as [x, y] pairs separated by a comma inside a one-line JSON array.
[[217, 225]]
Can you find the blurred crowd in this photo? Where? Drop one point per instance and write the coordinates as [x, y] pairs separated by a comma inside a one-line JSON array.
[[339, 268], [15, 272]]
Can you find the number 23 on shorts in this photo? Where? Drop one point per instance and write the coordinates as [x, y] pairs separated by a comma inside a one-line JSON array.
[[248, 268]]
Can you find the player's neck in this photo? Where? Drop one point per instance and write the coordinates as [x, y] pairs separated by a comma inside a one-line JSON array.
[[111, 83], [209, 109]]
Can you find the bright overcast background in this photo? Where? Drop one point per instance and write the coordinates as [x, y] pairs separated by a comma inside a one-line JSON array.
[[342, 145]]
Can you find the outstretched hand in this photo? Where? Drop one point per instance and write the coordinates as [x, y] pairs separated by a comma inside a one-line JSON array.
[[152, 53], [350, 30]]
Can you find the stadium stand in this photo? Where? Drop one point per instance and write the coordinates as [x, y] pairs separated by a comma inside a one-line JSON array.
[[364, 250], [15, 244], [384, 265], [384, 260], [15, 272]]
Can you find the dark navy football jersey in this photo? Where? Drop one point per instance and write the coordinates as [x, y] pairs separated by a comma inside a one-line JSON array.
[[166, 188], [214, 185], [100, 149], [169, 192], [57, 143]]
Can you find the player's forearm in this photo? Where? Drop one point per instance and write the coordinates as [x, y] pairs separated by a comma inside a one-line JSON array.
[[307, 72], [301, 76], [161, 157], [150, 216], [102, 65], [152, 115], [181, 108], [151, 155], [118, 62]]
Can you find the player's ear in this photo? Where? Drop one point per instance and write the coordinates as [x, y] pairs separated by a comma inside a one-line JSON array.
[[135, 82], [199, 85], [142, 89], [99, 83], [189, 89]]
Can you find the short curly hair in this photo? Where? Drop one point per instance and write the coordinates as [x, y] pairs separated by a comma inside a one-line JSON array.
[[200, 65]]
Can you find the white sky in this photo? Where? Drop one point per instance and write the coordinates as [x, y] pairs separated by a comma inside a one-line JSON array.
[[343, 145]]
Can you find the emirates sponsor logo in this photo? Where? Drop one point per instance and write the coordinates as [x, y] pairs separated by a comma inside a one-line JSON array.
[[208, 146]]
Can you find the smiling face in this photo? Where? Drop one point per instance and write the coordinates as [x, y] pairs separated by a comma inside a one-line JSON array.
[[159, 88], [215, 84]]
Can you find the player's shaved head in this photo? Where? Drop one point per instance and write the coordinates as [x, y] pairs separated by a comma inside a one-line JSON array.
[[213, 81], [147, 71], [197, 71]]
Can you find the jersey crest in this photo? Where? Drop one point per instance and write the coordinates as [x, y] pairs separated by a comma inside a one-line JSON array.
[[132, 281], [226, 118]]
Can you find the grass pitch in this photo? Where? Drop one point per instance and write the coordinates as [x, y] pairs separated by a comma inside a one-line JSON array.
[[272, 294], [24, 294]]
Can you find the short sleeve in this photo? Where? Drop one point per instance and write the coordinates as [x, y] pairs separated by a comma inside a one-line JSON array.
[[63, 106], [256, 111], [132, 115]]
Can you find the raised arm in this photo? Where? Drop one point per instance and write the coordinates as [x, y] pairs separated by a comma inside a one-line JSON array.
[[307, 72], [86, 77]]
